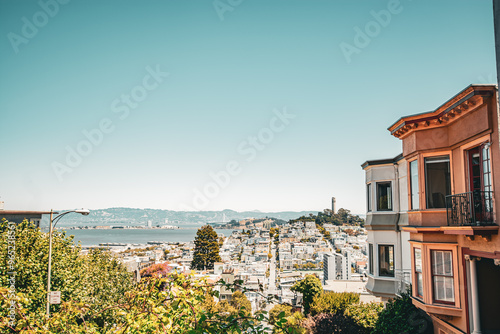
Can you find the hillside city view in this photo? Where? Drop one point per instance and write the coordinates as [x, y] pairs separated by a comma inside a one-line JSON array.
[[264, 167]]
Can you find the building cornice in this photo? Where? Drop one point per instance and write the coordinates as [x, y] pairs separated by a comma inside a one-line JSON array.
[[464, 102]]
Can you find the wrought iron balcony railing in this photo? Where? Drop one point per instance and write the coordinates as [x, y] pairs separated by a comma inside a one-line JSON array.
[[473, 208]]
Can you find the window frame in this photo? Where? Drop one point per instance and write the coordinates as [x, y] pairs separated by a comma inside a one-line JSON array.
[[370, 258], [389, 203], [412, 185], [380, 258], [369, 197], [452, 276], [426, 180], [416, 273]]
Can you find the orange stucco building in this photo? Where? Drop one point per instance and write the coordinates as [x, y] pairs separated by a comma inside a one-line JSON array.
[[453, 162]]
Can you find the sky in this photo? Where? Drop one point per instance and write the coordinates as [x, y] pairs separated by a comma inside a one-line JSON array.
[[266, 105]]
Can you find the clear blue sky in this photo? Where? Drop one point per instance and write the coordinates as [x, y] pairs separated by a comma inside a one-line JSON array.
[[70, 70]]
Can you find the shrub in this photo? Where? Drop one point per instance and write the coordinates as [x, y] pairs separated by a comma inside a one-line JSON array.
[[333, 302], [156, 270], [401, 316], [364, 314], [277, 310], [332, 324]]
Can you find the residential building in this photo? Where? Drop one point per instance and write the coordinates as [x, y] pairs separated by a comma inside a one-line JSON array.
[[452, 159], [337, 266], [387, 205], [17, 216]]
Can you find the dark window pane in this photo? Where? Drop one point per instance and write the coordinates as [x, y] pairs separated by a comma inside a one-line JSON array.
[[370, 257], [386, 260], [437, 183], [384, 196]]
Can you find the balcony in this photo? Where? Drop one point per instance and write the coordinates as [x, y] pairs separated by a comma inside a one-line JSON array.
[[473, 208]]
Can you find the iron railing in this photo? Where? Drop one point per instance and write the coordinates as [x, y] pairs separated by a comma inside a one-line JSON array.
[[473, 208]]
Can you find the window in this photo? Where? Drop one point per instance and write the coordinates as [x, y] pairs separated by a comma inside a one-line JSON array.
[[418, 271], [384, 196], [442, 276], [386, 260], [369, 197], [437, 181], [486, 168], [415, 201], [370, 258]]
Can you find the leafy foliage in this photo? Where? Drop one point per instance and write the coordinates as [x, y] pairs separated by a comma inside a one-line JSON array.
[[332, 323], [401, 316], [156, 270], [206, 251], [341, 217], [96, 278], [364, 314], [274, 313], [310, 287], [333, 302]]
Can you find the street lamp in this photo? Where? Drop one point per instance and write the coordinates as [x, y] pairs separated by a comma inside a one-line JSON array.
[[52, 224]]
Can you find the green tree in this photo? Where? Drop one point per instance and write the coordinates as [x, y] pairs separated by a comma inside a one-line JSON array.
[[97, 278], [364, 314], [310, 287], [274, 313], [241, 303], [333, 302], [206, 250], [401, 316]]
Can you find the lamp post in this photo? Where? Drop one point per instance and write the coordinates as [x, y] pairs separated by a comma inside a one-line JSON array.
[[52, 224]]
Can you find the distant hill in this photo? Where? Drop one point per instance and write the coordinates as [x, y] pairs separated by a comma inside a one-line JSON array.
[[131, 216]]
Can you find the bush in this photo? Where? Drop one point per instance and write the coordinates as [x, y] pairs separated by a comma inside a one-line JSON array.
[[332, 324], [156, 270], [364, 314], [401, 316], [333, 302], [277, 310]]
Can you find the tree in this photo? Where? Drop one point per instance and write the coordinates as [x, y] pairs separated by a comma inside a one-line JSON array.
[[277, 309], [97, 278], [333, 323], [156, 270], [310, 287], [333, 302], [206, 250], [365, 314], [401, 316], [241, 303]]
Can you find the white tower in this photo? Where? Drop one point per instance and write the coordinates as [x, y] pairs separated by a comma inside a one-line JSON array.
[[333, 204]]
